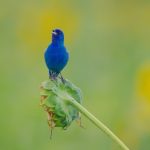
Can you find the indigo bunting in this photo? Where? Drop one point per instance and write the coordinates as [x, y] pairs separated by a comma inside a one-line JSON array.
[[56, 55]]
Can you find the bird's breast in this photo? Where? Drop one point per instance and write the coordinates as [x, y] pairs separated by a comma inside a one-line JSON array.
[[56, 58]]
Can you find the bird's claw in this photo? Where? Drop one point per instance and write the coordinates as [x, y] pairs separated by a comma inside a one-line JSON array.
[[52, 75]]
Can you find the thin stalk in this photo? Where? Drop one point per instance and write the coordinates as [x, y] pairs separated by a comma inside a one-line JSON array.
[[98, 123]]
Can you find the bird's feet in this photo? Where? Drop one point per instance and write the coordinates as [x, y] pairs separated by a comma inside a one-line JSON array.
[[53, 75]]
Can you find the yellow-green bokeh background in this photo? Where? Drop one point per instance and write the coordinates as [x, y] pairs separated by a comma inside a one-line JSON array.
[[109, 45]]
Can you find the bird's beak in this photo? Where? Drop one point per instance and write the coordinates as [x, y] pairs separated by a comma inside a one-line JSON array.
[[53, 32]]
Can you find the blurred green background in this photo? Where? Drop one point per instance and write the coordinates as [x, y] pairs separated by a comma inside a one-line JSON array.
[[109, 45]]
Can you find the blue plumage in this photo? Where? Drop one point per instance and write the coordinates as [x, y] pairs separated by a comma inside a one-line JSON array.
[[56, 55]]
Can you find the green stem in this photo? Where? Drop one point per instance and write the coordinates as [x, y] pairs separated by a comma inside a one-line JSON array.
[[98, 123]]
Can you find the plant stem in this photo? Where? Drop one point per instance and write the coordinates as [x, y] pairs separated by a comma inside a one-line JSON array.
[[98, 123]]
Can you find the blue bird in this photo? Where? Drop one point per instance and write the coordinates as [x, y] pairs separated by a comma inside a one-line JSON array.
[[56, 55]]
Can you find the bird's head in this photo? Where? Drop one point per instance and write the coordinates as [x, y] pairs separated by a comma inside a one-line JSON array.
[[57, 36]]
